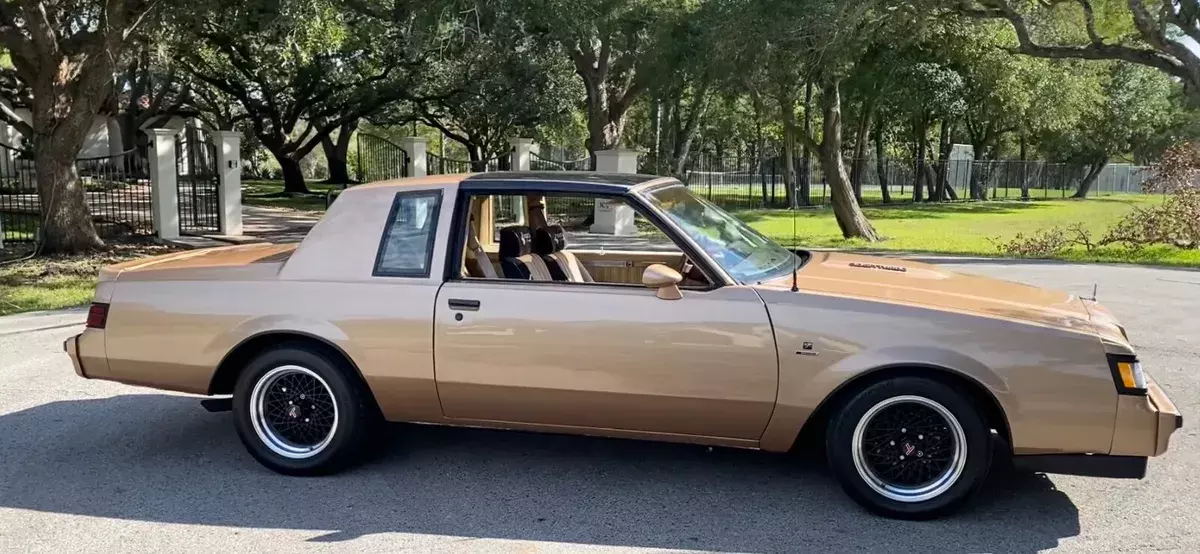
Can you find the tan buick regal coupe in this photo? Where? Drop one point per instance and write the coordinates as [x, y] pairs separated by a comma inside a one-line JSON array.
[[624, 306]]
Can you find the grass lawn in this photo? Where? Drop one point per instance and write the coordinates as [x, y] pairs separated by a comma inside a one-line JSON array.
[[52, 282], [969, 228], [270, 193]]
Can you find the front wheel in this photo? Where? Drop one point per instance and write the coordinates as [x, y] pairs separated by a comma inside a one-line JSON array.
[[909, 448], [298, 412]]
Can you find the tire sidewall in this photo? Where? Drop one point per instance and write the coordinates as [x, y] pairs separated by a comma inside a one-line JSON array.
[[345, 437], [978, 448]]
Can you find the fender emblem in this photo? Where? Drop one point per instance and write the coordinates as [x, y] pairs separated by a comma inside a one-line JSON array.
[[806, 349], [878, 266]]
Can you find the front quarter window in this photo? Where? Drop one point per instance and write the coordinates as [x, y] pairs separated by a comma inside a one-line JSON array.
[[742, 252], [406, 249]]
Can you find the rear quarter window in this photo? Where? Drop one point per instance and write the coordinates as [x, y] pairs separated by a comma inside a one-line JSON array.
[[406, 249]]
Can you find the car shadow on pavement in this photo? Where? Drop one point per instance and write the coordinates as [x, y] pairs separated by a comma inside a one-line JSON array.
[[160, 458]]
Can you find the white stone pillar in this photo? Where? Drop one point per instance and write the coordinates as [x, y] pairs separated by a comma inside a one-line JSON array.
[[614, 217], [164, 191], [521, 158], [415, 147], [229, 162], [616, 161]]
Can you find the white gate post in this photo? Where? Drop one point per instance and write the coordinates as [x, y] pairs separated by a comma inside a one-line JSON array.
[[164, 191], [415, 147], [614, 217], [521, 158], [229, 148]]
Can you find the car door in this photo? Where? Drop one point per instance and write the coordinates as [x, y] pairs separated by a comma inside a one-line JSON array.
[[605, 357]]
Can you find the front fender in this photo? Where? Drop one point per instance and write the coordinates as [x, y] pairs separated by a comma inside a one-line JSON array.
[[805, 387]]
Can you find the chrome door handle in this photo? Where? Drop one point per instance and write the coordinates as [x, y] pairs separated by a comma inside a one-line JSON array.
[[463, 304]]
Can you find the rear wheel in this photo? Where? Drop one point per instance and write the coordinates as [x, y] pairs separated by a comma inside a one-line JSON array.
[[909, 448], [298, 412]]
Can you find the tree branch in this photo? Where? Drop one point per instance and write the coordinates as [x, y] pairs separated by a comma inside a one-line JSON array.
[[999, 9]]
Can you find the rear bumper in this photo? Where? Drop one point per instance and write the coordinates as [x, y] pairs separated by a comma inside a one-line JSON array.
[[71, 346]]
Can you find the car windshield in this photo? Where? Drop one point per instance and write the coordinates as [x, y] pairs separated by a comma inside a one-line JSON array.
[[741, 251]]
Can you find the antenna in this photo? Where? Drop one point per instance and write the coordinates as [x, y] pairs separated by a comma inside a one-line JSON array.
[[795, 258]]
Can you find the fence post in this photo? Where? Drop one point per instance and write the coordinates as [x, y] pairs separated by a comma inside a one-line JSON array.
[[164, 189], [520, 154], [415, 148], [614, 217], [229, 148]]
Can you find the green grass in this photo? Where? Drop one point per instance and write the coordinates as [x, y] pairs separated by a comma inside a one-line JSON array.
[[968, 228], [53, 282], [270, 193]]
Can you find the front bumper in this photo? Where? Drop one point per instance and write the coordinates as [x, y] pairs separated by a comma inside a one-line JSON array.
[[1143, 429], [1145, 423]]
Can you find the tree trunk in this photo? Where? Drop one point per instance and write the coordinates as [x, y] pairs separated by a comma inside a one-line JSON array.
[[683, 145], [336, 154], [66, 224], [806, 164], [293, 177], [1093, 173], [943, 165], [66, 220], [850, 217], [881, 165], [861, 138], [1024, 171], [787, 106], [919, 168], [756, 155]]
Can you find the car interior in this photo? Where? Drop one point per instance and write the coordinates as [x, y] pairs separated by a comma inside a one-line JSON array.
[[547, 238]]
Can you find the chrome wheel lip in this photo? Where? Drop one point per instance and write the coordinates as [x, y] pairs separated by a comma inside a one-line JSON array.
[[932, 490], [267, 434]]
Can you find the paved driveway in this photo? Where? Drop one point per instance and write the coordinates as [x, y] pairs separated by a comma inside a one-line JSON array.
[[94, 466]]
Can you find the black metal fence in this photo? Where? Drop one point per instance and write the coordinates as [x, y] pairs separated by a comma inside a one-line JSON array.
[[197, 183], [438, 165], [116, 189], [747, 183], [538, 162], [379, 159]]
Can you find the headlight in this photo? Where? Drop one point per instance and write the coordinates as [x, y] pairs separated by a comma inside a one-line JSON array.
[[1127, 374]]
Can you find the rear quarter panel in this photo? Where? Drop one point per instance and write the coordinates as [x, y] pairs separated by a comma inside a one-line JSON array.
[[1052, 384], [172, 333]]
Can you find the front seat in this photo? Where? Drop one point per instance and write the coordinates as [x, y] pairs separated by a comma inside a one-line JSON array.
[[549, 242], [516, 258]]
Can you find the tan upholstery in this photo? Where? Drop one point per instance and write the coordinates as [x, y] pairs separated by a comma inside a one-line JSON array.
[[478, 263], [537, 268], [571, 267]]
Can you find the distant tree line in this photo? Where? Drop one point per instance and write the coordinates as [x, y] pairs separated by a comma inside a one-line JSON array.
[[830, 82]]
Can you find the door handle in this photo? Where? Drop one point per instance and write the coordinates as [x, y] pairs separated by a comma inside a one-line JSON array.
[[462, 304]]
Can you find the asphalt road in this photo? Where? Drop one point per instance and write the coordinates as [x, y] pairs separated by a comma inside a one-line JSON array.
[[95, 466]]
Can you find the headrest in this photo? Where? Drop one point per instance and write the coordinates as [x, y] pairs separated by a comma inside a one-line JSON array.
[[548, 240], [515, 241]]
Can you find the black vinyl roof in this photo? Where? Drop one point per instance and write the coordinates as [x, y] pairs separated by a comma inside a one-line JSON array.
[[590, 177]]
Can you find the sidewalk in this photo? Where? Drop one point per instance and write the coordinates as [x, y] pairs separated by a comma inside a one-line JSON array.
[[40, 321], [277, 224]]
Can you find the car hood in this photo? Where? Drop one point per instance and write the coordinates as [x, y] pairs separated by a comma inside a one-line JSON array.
[[929, 286]]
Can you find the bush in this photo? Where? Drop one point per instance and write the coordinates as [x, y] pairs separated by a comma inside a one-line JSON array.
[[1176, 222]]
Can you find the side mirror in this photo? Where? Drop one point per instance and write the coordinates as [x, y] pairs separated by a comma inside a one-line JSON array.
[[664, 280]]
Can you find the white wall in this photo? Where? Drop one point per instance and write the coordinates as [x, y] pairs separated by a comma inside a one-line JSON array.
[[95, 144]]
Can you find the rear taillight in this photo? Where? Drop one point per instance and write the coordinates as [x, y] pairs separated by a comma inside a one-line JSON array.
[[97, 316]]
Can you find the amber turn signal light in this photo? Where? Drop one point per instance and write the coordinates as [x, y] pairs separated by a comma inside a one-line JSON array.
[[1127, 374]]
